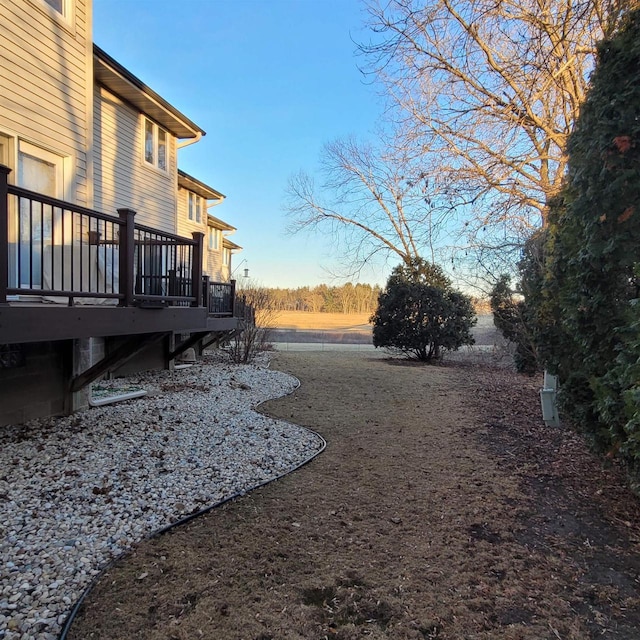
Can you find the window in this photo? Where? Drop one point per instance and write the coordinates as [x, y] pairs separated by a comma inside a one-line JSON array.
[[162, 149], [38, 226], [57, 5], [60, 10], [4, 150], [214, 238], [155, 145], [148, 141], [226, 257], [195, 207]]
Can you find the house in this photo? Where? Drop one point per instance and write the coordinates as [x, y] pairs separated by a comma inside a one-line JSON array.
[[106, 261], [195, 199]]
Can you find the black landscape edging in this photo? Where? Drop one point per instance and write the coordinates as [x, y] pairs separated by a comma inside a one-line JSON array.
[[76, 607]]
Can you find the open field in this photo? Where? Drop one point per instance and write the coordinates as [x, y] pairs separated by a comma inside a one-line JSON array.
[[342, 328], [308, 321]]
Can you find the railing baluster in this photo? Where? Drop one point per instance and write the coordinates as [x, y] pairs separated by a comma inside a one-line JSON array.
[[18, 243], [63, 220]]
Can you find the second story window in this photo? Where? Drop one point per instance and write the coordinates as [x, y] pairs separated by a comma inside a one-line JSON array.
[[57, 5], [61, 11], [214, 238], [226, 257], [195, 207], [155, 145]]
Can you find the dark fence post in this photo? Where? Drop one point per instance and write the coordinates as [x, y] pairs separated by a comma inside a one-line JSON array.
[[126, 258], [233, 298], [205, 293], [4, 233], [174, 288], [196, 269]]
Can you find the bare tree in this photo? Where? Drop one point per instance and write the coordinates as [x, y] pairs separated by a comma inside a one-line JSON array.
[[485, 93], [373, 200], [254, 337]]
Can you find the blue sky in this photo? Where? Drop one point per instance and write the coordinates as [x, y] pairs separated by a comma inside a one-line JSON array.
[[270, 81]]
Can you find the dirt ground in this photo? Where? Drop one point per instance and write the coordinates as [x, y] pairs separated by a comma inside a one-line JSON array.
[[443, 507]]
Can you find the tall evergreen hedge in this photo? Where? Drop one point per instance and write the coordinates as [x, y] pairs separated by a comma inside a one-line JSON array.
[[587, 313]]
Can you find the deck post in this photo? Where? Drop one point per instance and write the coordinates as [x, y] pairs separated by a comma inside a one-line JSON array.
[[126, 257], [4, 233], [196, 268], [233, 299], [206, 292]]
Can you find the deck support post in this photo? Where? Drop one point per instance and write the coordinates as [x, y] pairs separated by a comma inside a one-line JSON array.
[[196, 269], [4, 233], [126, 257]]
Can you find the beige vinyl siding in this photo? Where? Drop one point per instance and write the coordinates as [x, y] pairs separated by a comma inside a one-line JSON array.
[[121, 179], [45, 84], [214, 262]]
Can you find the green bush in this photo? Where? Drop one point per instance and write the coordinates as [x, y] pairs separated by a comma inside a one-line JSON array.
[[586, 316], [420, 314]]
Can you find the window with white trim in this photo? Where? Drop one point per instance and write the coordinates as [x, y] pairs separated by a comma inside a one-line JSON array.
[[60, 10], [226, 257], [215, 236], [195, 207], [4, 150], [156, 142], [215, 239], [57, 5]]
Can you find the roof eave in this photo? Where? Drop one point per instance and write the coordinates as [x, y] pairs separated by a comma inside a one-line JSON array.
[[124, 84], [200, 188], [227, 244], [212, 221]]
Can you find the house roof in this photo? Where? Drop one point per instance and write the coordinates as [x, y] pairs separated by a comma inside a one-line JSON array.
[[227, 244], [212, 221], [122, 82], [193, 184]]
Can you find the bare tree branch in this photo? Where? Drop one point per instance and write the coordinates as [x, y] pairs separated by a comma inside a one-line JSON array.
[[370, 199], [491, 89], [482, 95]]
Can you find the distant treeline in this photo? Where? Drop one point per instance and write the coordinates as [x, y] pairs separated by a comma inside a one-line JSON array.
[[348, 298]]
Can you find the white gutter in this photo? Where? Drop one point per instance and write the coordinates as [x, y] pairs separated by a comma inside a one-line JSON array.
[[188, 141]]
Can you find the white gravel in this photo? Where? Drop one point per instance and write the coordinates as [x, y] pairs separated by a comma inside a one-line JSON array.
[[77, 492]]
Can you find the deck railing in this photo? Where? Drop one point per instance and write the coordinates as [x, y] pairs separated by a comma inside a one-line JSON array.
[[221, 299], [55, 249]]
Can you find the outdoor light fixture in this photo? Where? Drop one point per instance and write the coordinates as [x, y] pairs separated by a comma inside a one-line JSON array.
[[246, 269]]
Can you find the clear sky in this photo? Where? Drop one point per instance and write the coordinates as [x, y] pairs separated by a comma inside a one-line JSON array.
[[270, 81]]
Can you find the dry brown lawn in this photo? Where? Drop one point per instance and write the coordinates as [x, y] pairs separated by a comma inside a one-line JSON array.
[[442, 508], [322, 321]]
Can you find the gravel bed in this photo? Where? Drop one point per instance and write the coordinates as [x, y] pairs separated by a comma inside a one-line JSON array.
[[78, 491]]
